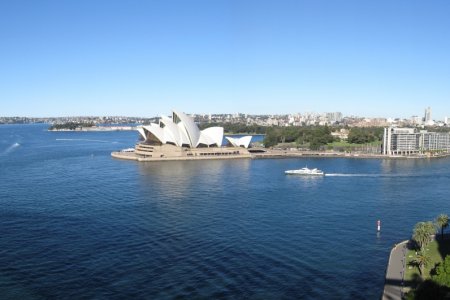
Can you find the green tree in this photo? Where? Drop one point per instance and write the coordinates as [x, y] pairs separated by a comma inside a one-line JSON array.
[[423, 233], [422, 260], [429, 290], [442, 276], [365, 135], [442, 222], [272, 137]]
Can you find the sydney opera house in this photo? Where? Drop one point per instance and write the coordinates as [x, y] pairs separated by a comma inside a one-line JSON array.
[[179, 138]]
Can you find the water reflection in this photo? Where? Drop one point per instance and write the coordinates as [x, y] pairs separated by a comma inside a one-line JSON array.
[[306, 181], [403, 165], [183, 179]]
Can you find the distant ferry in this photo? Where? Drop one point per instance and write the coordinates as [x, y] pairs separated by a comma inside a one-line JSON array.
[[305, 171]]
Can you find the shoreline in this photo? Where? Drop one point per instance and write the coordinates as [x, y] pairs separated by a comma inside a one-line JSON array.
[[97, 128], [395, 272], [290, 154], [133, 156], [271, 154]]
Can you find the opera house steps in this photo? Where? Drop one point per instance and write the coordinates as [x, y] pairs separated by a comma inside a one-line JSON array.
[[171, 152]]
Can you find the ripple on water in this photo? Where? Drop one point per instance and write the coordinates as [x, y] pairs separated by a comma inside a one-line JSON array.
[[76, 226]]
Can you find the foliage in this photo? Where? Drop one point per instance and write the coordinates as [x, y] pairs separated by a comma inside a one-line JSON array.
[[341, 146], [70, 126], [315, 136], [442, 222], [422, 233], [422, 260], [438, 128], [431, 290], [236, 127], [442, 276], [365, 135]]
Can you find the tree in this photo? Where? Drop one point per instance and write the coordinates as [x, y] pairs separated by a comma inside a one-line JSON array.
[[442, 222], [442, 276], [423, 233], [422, 260], [429, 290], [271, 138]]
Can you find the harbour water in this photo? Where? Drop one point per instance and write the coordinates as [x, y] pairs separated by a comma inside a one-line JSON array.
[[76, 223]]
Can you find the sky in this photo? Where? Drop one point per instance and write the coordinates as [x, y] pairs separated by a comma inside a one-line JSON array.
[[379, 58]]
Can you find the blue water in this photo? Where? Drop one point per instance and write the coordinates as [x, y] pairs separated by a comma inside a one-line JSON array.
[[78, 224], [255, 138]]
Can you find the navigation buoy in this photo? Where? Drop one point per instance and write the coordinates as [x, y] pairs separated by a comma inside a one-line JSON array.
[[378, 225]]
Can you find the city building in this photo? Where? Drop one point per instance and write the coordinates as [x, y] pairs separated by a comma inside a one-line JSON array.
[[409, 141], [334, 117], [400, 141], [427, 118], [435, 141], [416, 120]]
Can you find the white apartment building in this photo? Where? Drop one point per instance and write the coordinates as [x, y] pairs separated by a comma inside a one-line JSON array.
[[408, 141]]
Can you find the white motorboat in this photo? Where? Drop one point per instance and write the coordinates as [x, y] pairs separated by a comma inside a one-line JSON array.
[[305, 171]]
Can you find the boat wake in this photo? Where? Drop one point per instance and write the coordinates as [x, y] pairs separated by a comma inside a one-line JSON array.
[[11, 148], [373, 175], [358, 175], [85, 140]]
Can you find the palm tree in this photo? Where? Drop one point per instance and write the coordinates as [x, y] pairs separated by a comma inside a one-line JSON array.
[[442, 222], [422, 260], [423, 233]]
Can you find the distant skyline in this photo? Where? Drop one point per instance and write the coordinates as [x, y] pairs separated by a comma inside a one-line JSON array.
[[143, 58]]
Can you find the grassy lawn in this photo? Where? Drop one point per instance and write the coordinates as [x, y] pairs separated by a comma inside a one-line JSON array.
[[346, 144], [437, 251]]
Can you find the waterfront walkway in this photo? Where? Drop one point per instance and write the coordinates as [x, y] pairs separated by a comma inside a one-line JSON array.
[[393, 285]]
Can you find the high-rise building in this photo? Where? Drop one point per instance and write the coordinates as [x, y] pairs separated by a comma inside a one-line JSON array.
[[334, 117], [427, 117]]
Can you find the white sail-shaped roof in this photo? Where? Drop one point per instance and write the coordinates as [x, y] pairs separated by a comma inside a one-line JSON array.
[[142, 132], [189, 127], [171, 131], [181, 130], [184, 135], [155, 130], [211, 136], [240, 142]]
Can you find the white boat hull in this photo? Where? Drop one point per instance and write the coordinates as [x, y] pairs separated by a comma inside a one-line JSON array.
[[305, 172]]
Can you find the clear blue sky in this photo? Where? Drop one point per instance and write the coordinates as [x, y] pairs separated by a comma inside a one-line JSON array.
[[142, 58]]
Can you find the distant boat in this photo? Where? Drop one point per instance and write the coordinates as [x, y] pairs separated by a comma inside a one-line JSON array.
[[305, 171]]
